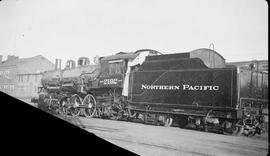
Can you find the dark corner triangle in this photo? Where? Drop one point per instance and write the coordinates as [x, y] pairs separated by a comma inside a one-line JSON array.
[[24, 125]]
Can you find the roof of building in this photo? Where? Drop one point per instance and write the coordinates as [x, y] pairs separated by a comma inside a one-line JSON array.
[[39, 65], [261, 65], [18, 61], [250, 61]]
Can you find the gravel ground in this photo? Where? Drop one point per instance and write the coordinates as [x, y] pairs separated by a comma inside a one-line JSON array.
[[29, 102], [157, 140], [148, 140]]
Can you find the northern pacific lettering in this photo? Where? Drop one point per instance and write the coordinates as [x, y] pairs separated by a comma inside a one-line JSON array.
[[178, 87]]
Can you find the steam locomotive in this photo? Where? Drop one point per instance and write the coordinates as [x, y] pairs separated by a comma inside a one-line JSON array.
[[194, 89]]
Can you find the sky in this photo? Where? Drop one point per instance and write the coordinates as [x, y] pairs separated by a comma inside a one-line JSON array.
[[69, 29]]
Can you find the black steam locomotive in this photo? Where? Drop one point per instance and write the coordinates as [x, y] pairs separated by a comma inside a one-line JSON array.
[[193, 90]]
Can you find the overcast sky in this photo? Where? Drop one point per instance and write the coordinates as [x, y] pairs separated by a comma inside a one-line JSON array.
[[68, 29]]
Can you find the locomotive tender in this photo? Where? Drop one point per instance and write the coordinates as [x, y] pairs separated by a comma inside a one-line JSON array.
[[193, 89]]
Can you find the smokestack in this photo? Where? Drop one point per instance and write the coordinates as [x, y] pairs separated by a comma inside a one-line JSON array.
[[70, 64], [60, 62], [57, 64]]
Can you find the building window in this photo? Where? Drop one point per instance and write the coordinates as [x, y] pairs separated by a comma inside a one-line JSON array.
[[12, 88], [5, 88], [36, 89]]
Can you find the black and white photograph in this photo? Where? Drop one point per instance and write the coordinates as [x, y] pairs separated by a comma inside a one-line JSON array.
[[135, 77]]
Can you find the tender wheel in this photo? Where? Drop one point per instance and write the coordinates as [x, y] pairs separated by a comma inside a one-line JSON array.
[[168, 122], [232, 128], [132, 114], [90, 101], [183, 121], [75, 102]]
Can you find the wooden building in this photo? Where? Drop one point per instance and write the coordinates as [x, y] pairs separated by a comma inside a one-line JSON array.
[[20, 77]]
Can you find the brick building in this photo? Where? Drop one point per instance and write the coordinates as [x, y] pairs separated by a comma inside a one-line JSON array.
[[20, 77]]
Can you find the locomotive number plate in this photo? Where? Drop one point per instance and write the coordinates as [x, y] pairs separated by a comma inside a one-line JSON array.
[[110, 82]]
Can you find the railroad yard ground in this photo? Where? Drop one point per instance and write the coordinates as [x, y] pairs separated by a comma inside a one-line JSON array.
[[148, 140]]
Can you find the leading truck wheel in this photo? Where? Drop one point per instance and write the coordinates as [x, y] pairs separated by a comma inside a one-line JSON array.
[[90, 102], [64, 104], [75, 101], [49, 103]]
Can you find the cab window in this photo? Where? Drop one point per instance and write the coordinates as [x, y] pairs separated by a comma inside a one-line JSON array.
[[116, 67]]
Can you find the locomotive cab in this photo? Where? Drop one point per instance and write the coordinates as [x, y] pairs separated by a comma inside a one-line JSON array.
[[113, 69]]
